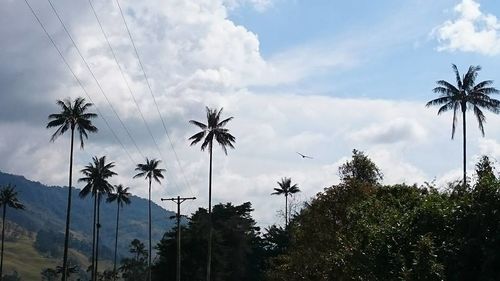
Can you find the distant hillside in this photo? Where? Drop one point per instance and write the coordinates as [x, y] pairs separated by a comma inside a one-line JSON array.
[[46, 211]]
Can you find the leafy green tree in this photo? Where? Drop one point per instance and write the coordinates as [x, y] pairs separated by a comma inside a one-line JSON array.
[[135, 268], [150, 171], [465, 95], [121, 196], [238, 248], [73, 116], [49, 274], [287, 189], [96, 176], [8, 198], [214, 129], [360, 169]]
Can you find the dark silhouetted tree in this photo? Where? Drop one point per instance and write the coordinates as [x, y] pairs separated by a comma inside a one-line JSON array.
[[287, 189], [96, 176], [213, 130], [73, 116], [121, 196], [8, 198], [150, 171], [465, 95]]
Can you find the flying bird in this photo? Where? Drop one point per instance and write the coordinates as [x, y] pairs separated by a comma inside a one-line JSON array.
[[304, 156]]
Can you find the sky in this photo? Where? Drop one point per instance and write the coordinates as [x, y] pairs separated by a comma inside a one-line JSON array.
[[320, 77]]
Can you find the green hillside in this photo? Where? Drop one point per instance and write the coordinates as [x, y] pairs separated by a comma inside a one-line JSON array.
[[46, 208]]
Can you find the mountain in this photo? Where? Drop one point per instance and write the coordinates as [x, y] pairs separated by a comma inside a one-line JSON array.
[[45, 214]]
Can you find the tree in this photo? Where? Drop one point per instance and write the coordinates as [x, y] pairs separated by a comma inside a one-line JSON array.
[[286, 188], [96, 176], [214, 129], [136, 267], [360, 169], [150, 171], [49, 274], [121, 196], [465, 95], [8, 198], [237, 252], [73, 116]]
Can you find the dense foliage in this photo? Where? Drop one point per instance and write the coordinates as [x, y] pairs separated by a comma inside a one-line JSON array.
[[236, 252], [356, 230], [359, 230]]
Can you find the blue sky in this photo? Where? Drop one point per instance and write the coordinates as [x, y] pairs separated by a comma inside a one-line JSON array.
[[398, 56], [318, 77]]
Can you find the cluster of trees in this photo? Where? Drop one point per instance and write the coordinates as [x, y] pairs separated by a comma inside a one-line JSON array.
[[367, 230], [374, 232], [76, 118], [356, 230]]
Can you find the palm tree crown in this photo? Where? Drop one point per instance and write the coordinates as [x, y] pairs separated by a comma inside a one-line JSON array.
[[150, 170], [121, 195], [466, 95], [73, 116], [96, 176], [214, 129], [8, 197], [286, 188]]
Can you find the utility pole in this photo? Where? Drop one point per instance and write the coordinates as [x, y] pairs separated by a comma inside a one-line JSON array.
[[178, 200]]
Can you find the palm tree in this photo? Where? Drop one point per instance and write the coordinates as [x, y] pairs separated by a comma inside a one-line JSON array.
[[121, 196], [286, 188], [73, 116], [150, 171], [96, 177], [465, 95], [214, 129], [8, 198]]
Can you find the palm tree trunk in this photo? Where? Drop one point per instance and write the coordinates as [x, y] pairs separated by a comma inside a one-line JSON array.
[[209, 258], [286, 211], [3, 240], [93, 238], [116, 238], [68, 210], [97, 235], [150, 253], [465, 168]]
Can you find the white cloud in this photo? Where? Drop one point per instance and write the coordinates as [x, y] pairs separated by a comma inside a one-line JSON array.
[[397, 130], [196, 56], [472, 31], [259, 5]]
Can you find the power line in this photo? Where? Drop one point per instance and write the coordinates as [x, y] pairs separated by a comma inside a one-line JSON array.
[[128, 85], [152, 95], [124, 78], [77, 79], [94, 77]]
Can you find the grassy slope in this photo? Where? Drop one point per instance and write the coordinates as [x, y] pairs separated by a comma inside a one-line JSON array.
[[22, 257]]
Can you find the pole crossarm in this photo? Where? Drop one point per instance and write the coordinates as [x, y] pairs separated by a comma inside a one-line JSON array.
[[178, 200]]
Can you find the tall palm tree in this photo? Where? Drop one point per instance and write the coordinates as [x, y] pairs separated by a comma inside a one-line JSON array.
[[73, 116], [150, 171], [286, 188], [214, 129], [96, 176], [8, 198], [121, 196], [465, 95]]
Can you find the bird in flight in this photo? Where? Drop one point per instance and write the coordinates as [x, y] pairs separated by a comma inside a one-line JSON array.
[[304, 156]]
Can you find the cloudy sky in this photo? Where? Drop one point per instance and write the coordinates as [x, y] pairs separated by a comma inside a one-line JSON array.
[[320, 77]]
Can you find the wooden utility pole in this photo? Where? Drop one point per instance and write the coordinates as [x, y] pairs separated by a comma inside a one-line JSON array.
[[178, 200]]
